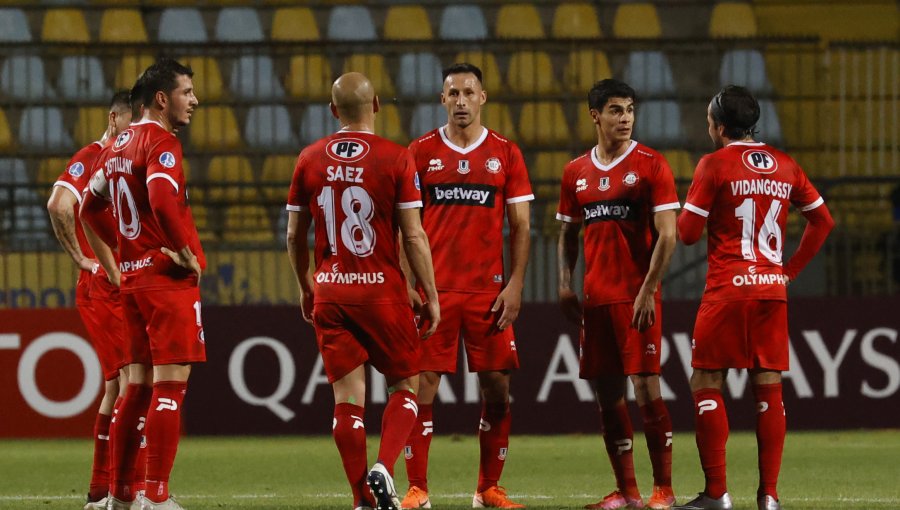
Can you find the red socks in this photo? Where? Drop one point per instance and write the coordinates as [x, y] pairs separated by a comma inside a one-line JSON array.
[[417, 445], [100, 470], [658, 432], [770, 432], [397, 422], [162, 431], [127, 440], [619, 439], [350, 437], [712, 434], [493, 436]]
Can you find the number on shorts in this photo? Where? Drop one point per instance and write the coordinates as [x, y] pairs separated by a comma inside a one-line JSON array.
[[197, 312]]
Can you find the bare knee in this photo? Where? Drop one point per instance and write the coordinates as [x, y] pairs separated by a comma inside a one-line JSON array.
[[702, 379], [494, 386]]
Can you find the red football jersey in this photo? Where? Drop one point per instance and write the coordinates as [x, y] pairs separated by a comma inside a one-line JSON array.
[[353, 182], [743, 190], [75, 178], [616, 203], [142, 153], [466, 191]]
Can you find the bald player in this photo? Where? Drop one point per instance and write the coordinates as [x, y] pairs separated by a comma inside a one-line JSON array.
[[360, 188]]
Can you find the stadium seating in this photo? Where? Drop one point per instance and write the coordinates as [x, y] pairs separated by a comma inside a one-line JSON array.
[[309, 77], [425, 117], [498, 117], [214, 128], [658, 123], [203, 223], [373, 66], [546, 174], [81, 79], [253, 77], [207, 77], [637, 20], [419, 75], [463, 22], [519, 21], [91, 124], [14, 26], [41, 128], [682, 164], [6, 138], [351, 23], [239, 24], [49, 170], [732, 19], [543, 123], [387, 124], [122, 26], [130, 67], [584, 124], [487, 62], [583, 69], [746, 68], [802, 121], [875, 21], [769, 125], [22, 77], [65, 25], [230, 179], [575, 21], [317, 122], [407, 22], [531, 73], [275, 179], [292, 24], [247, 223], [269, 127], [649, 73], [181, 25]]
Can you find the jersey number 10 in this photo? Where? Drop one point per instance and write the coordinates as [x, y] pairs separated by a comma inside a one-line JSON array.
[[768, 239], [122, 197], [357, 233]]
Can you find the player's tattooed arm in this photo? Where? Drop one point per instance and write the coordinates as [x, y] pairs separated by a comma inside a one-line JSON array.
[[61, 207], [645, 303], [567, 254], [298, 253]]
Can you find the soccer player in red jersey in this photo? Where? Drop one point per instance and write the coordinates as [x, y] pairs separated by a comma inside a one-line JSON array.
[[624, 194], [96, 299], [160, 260], [360, 188], [471, 176], [743, 191]]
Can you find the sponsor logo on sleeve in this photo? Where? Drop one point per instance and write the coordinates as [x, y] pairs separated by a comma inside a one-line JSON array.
[[167, 159], [462, 194], [759, 161], [492, 165], [77, 169], [418, 183], [347, 150]]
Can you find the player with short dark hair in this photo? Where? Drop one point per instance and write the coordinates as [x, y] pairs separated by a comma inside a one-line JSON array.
[[96, 298], [743, 190], [361, 189], [160, 260], [623, 192], [471, 176]]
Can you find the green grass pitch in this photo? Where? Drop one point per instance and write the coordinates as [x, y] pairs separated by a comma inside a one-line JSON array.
[[821, 471]]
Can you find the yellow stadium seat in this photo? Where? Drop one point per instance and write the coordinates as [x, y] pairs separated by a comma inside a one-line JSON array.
[[682, 164], [863, 73], [310, 77], [548, 165], [214, 128], [873, 21], [796, 70], [65, 25], [207, 77], [247, 223], [49, 170], [487, 62], [531, 73], [122, 25], [275, 179], [294, 24], [575, 21], [387, 124], [230, 179], [203, 223], [732, 19], [584, 123], [584, 68], [130, 67], [519, 21], [497, 117], [91, 124], [196, 186], [543, 123], [6, 139], [372, 65], [801, 121], [407, 22], [637, 20]]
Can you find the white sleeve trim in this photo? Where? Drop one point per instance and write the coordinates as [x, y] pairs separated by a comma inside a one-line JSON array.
[[567, 219], [696, 210], [296, 208], [666, 207], [523, 198], [163, 176], [68, 186], [409, 205], [813, 205]]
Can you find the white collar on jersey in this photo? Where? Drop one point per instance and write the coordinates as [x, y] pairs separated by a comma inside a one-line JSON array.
[[147, 121], [751, 144], [607, 168], [459, 149], [343, 130]]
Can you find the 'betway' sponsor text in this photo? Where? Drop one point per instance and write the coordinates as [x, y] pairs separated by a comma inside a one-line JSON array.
[[462, 194]]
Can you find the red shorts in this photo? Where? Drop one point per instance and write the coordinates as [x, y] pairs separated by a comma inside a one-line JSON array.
[[383, 334], [610, 346], [741, 334], [469, 314], [164, 326], [103, 320]]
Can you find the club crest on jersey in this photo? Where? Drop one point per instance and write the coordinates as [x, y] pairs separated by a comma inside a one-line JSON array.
[[347, 149], [167, 159], [759, 161], [77, 169], [123, 139], [604, 184], [492, 165], [580, 185], [630, 179], [435, 165], [463, 167]]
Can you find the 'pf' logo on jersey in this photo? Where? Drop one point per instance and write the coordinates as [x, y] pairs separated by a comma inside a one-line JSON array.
[[347, 149], [759, 161], [123, 139]]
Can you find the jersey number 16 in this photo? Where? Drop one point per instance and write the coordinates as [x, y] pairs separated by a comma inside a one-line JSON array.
[[768, 239]]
